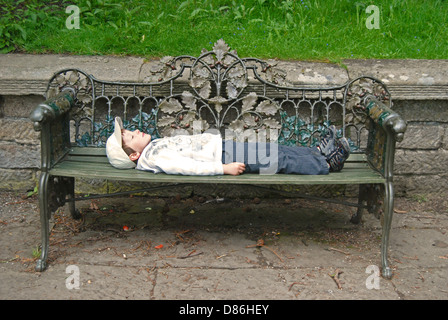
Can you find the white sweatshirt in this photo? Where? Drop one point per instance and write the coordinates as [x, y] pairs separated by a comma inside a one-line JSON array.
[[199, 154]]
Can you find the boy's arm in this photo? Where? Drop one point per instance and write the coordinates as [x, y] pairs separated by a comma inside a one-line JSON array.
[[171, 163], [186, 166]]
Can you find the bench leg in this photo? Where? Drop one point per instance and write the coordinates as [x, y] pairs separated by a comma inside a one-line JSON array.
[[371, 198], [362, 200], [44, 209], [70, 198], [387, 222]]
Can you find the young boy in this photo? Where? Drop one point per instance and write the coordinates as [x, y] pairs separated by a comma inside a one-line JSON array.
[[208, 154]]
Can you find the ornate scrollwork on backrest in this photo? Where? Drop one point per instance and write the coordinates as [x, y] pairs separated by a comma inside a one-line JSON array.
[[216, 97], [357, 90], [241, 98], [83, 87]]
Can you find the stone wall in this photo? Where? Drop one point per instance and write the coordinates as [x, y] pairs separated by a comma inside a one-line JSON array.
[[421, 160], [19, 143], [419, 90]]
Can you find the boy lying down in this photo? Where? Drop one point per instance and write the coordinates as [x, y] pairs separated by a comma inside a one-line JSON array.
[[209, 154]]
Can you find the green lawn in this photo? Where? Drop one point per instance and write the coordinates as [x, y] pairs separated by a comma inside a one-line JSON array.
[[302, 29]]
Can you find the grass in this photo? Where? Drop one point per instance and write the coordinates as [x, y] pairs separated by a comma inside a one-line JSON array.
[[302, 29]]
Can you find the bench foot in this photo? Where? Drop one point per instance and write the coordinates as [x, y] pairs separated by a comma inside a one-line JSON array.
[[41, 265], [357, 217], [76, 214], [387, 273]]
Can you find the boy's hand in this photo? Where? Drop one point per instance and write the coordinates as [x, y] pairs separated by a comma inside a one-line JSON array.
[[234, 168]]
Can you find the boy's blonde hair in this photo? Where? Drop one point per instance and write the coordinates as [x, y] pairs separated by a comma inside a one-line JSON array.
[[127, 149]]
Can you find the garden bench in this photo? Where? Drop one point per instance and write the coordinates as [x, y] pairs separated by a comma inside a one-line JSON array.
[[240, 97]]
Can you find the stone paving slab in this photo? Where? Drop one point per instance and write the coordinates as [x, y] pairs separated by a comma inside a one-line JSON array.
[[187, 249]]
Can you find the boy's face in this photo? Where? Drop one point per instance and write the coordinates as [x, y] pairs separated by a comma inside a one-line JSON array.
[[135, 139]]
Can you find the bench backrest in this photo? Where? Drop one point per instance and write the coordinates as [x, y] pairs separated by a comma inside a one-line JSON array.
[[242, 98]]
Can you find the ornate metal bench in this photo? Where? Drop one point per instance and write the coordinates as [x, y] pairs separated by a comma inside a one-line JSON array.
[[219, 91]]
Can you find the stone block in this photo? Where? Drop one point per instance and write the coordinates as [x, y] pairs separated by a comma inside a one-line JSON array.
[[422, 110], [17, 179], [19, 131], [445, 138], [19, 106], [406, 185], [423, 136], [24, 74], [90, 186], [421, 162], [18, 156]]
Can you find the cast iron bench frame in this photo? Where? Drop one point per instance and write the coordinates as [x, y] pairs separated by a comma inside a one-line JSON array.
[[219, 91]]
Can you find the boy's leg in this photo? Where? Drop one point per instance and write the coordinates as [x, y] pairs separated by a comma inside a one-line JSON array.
[[301, 160], [245, 152], [270, 158]]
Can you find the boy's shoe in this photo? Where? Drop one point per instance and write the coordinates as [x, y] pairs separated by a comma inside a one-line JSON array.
[[328, 142], [337, 158]]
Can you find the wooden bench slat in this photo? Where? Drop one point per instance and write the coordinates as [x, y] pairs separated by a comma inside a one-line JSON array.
[[90, 162], [87, 158], [91, 151]]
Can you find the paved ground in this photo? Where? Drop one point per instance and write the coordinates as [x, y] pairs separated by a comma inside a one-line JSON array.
[[193, 248]]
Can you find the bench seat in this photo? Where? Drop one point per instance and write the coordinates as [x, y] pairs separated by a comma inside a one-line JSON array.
[[92, 162]]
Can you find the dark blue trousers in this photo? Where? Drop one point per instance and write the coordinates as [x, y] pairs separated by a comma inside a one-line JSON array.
[[271, 158]]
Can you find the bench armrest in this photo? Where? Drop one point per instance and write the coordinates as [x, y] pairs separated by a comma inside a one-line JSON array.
[[52, 108], [390, 121], [51, 119], [386, 127]]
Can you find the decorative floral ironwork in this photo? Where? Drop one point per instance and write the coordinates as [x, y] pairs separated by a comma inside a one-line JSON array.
[[82, 85], [217, 80], [238, 97], [357, 90], [75, 79]]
